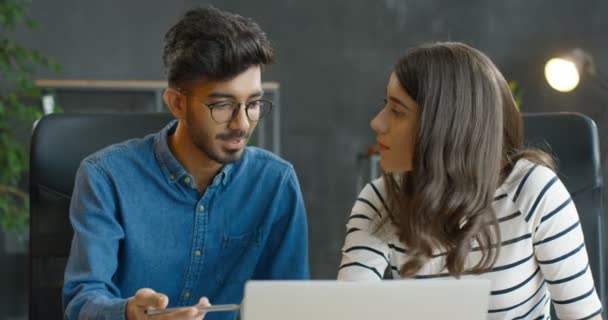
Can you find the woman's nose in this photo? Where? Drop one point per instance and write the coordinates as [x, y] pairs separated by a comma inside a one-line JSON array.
[[378, 124]]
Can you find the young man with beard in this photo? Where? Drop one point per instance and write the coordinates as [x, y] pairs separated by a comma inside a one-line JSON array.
[[190, 212]]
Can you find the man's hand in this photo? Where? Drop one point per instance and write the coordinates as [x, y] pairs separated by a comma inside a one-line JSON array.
[[149, 299]]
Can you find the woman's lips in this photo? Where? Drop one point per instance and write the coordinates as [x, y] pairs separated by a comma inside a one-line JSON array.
[[382, 146]]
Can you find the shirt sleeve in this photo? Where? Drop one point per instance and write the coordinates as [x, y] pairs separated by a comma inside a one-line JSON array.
[[88, 291], [285, 255], [365, 255], [559, 245]]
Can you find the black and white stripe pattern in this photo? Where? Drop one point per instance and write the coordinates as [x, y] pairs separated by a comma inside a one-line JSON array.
[[542, 259]]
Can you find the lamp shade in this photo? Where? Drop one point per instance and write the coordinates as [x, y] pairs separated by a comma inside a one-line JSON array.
[[564, 73], [561, 74]]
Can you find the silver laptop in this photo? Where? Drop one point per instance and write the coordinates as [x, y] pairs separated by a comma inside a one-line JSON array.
[[341, 300]]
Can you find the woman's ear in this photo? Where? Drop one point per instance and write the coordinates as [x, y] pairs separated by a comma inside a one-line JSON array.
[[173, 99]]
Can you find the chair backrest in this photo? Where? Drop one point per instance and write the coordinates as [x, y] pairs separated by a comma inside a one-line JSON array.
[[573, 140], [59, 143]]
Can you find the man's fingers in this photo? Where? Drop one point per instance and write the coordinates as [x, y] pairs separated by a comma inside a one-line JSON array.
[[186, 313], [203, 302], [148, 298]]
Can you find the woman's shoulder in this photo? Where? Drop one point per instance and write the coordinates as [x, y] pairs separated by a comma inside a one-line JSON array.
[[370, 211], [534, 189], [372, 199], [375, 189], [529, 175]]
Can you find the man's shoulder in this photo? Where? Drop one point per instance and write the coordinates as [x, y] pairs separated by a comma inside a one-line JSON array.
[[123, 152], [260, 157]]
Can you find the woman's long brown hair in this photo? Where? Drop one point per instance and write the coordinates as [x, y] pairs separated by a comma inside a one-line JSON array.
[[469, 137]]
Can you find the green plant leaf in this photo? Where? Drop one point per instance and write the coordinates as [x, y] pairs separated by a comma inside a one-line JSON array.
[[516, 92], [18, 111]]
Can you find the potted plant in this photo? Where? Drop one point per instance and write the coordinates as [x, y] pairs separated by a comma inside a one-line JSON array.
[[19, 108]]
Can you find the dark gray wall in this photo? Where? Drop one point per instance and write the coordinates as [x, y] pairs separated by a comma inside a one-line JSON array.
[[333, 61]]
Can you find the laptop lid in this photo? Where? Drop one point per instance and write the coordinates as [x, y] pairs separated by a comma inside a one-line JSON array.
[[342, 300]]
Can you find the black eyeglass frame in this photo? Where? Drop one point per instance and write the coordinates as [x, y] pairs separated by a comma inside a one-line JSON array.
[[236, 106]]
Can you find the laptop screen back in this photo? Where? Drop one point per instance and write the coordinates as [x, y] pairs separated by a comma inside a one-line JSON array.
[[341, 300]]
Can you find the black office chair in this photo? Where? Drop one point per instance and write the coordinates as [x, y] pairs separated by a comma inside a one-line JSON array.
[[573, 139], [59, 144]]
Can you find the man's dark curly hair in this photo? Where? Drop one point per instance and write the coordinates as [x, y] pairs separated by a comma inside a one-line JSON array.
[[207, 43]]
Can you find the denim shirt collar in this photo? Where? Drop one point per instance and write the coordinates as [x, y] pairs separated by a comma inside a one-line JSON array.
[[173, 169]]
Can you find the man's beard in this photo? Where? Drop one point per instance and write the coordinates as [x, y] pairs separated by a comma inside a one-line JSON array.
[[221, 156]]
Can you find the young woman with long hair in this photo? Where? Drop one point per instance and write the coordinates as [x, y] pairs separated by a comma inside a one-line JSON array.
[[461, 197]]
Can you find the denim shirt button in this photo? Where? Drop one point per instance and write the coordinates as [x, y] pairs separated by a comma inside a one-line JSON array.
[[201, 208], [187, 180], [197, 253], [172, 177], [187, 295]]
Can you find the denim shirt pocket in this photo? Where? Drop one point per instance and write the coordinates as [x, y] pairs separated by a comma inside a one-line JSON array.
[[238, 257]]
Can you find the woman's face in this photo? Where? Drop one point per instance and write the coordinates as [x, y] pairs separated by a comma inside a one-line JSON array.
[[396, 126]]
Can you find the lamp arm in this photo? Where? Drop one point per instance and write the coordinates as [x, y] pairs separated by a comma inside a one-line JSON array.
[[600, 78]]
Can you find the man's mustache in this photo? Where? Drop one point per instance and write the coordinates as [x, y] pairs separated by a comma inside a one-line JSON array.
[[231, 135]]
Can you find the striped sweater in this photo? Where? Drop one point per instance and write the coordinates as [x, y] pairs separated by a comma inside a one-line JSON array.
[[542, 257]]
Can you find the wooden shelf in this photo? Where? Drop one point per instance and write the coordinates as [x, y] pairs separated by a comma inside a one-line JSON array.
[[116, 84], [264, 131]]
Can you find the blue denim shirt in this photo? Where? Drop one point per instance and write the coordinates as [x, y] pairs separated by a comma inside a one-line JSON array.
[[139, 221]]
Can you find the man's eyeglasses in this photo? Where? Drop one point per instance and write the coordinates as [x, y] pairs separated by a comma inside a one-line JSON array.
[[226, 111]]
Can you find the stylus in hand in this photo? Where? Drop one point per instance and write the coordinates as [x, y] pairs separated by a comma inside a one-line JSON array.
[[215, 308]]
